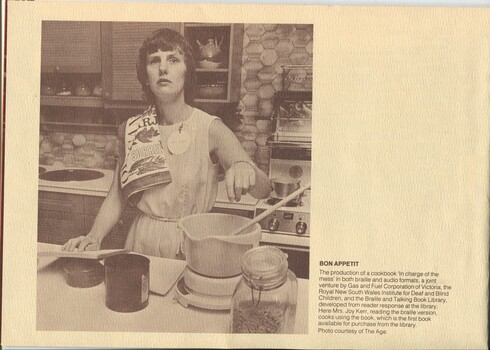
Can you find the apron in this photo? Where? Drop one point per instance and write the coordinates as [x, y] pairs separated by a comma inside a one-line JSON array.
[[193, 190]]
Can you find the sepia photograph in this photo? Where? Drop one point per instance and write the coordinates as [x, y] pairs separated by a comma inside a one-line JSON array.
[[174, 177], [159, 161]]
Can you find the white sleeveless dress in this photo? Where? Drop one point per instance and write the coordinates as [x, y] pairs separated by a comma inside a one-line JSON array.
[[193, 190]]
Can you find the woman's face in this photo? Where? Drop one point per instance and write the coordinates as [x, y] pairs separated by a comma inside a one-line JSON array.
[[166, 72]]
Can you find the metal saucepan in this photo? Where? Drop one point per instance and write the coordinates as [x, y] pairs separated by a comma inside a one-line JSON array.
[[283, 186]]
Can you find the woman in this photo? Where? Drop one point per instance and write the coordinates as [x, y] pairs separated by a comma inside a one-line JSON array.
[[166, 71]]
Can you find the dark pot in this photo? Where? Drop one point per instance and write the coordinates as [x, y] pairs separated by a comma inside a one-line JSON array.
[[83, 273]]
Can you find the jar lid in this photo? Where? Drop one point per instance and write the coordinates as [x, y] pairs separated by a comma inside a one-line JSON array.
[[265, 267]]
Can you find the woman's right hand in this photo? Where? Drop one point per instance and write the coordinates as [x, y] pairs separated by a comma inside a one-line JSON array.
[[81, 243]]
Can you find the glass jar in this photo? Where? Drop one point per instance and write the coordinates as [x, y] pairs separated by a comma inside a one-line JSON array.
[[265, 299]]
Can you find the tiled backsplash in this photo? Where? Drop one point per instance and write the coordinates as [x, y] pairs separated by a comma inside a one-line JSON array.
[[267, 47], [78, 150]]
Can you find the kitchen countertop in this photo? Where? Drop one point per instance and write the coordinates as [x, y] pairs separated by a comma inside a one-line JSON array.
[[64, 308], [100, 188]]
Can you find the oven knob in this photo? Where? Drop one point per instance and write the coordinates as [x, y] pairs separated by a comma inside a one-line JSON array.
[[273, 224], [301, 228]]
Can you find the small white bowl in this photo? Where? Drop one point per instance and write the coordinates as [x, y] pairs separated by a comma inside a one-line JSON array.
[[209, 64]]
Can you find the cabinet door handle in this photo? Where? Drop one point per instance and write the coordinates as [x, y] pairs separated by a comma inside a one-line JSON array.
[[120, 222]]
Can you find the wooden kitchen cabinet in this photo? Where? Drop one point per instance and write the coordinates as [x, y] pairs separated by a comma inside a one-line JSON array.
[[72, 46], [121, 42], [217, 84], [67, 203], [60, 217], [63, 216], [57, 227], [70, 56], [110, 50]]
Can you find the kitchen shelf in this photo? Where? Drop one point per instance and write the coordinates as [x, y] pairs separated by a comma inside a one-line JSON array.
[[78, 127], [229, 37], [80, 124], [207, 24], [121, 104], [212, 70], [72, 101], [210, 100]]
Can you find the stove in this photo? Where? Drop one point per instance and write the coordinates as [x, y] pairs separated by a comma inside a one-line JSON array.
[[293, 219], [288, 228]]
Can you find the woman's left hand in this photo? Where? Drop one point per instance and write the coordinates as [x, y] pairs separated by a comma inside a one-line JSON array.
[[239, 180]]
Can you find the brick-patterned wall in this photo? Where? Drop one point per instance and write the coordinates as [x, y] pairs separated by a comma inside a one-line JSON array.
[[266, 47], [84, 150]]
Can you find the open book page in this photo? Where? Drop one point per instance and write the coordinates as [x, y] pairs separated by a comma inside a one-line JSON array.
[[384, 110], [54, 250]]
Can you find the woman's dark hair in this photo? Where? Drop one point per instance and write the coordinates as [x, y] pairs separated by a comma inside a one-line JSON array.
[[167, 40]]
